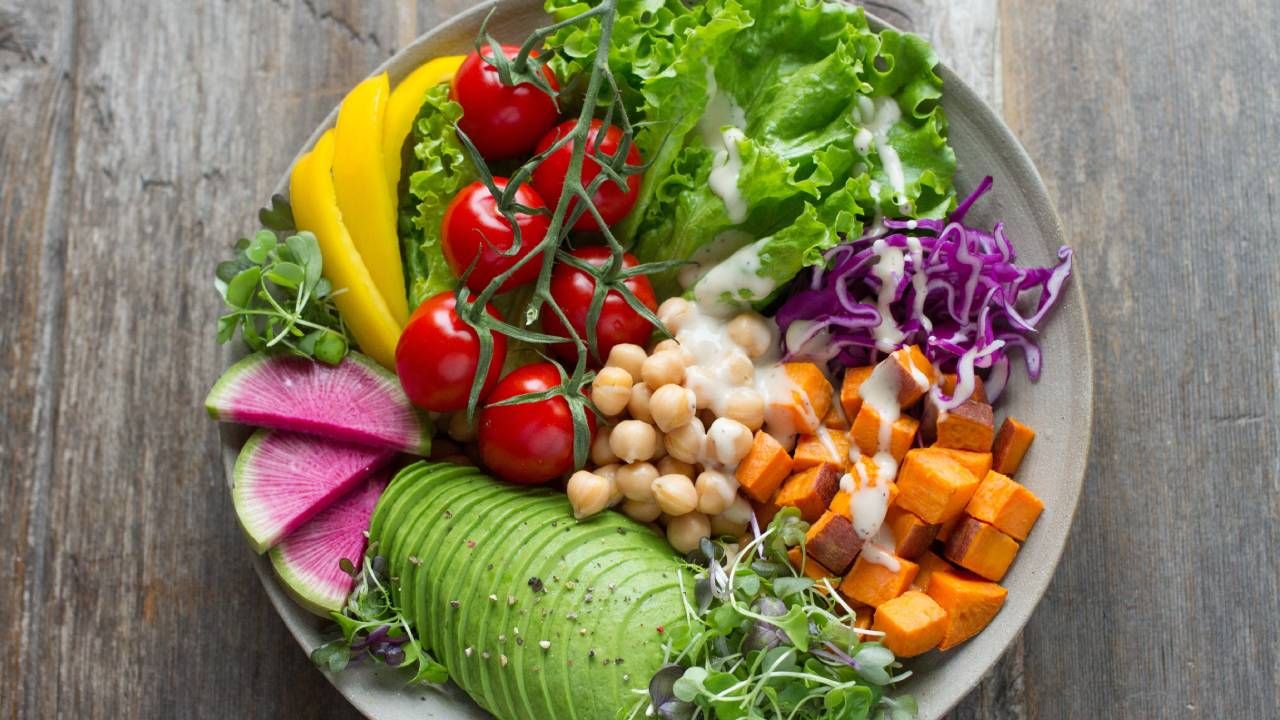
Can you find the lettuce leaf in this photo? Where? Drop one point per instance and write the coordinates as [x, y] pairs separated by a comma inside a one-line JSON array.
[[440, 168], [801, 73]]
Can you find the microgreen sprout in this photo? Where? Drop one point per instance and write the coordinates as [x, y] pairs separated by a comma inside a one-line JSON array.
[[773, 644]]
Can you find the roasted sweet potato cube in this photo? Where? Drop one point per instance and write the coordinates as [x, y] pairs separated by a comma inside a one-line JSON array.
[[971, 603], [810, 490], [911, 535], [933, 486], [978, 463], [947, 384], [981, 548], [812, 569], [915, 374], [813, 450], [929, 564], [832, 542], [840, 504], [874, 584], [863, 616], [913, 623], [1007, 505], [808, 401], [764, 468], [866, 433], [971, 426], [947, 528], [835, 419], [1011, 445], [850, 400]]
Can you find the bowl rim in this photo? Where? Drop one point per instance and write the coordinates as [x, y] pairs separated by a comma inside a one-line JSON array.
[[1026, 180]]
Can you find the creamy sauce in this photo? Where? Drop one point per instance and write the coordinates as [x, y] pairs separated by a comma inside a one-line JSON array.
[[711, 254], [877, 117], [919, 283], [735, 283], [870, 500], [965, 378], [721, 129], [889, 268]]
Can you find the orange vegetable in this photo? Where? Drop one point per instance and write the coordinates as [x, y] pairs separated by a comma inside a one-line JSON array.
[[911, 535], [947, 528], [947, 384], [862, 618], [929, 564], [832, 542], [1010, 507], [836, 419], [1011, 444], [970, 603], [978, 463], [913, 624], [812, 569], [971, 426], [806, 404], [764, 468], [866, 433], [811, 451], [811, 491], [915, 374], [979, 547], [933, 486], [874, 584], [850, 400]]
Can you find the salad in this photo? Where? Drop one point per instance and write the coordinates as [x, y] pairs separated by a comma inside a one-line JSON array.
[[646, 368]]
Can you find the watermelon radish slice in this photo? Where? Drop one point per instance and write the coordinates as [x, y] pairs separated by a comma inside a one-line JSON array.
[[307, 561], [357, 401], [282, 479]]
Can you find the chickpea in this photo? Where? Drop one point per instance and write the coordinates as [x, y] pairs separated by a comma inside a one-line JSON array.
[[687, 442], [675, 494], [687, 531], [739, 511], [663, 368], [728, 441], [675, 313], [752, 332], [641, 511], [702, 385], [671, 406], [633, 440], [659, 445], [627, 356], [672, 466], [746, 406], [665, 345], [638, 405], [601, 453], [716, 491], [611, 390], [721, 525], [636, 481], [738, 368], [460, 428], [608, 472], [588, 493]]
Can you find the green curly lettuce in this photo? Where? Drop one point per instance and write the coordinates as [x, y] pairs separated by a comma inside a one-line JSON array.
[[801, 76], [440, 168]]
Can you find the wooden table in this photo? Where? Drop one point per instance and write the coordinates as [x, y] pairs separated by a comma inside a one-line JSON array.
[[137, 139]]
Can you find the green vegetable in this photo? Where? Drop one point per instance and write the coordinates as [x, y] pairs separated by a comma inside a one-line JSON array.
[[534, 614], [802, 78], [439, 169], [763, 642], [277, 295]]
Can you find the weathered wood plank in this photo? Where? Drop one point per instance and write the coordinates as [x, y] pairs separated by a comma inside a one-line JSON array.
[[1156, 135]]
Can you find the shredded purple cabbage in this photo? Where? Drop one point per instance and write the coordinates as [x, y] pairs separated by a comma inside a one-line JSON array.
[[970, 317]]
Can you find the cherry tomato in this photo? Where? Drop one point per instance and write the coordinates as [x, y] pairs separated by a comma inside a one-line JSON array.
[[502, 121], [572, 289], [438, 353], [612, 202], [528, 443], [473, 226]]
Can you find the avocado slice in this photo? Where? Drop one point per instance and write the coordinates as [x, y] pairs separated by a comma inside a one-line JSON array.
[[492, 541]]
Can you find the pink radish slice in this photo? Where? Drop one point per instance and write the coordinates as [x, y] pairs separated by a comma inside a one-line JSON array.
[[283, 479]]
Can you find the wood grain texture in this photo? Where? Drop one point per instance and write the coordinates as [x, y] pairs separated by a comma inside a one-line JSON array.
[[137, 138]]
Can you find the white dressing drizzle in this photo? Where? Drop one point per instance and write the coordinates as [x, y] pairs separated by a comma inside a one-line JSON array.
[[721, 129], [711, 254], [735, 282], [870, 500], [919, 283]]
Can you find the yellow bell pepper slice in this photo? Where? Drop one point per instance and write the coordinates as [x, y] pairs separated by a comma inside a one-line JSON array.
[[402, 110], [315, 208], [368, 207]]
